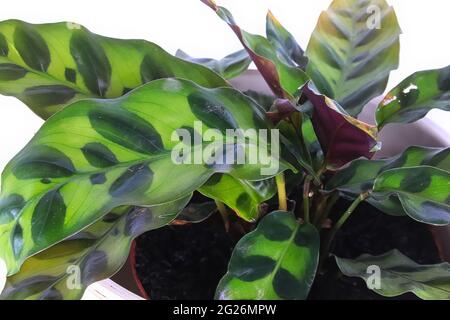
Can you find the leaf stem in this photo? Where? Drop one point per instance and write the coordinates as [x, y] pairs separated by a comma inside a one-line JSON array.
[[281, 187], [340, 223], [306, 196], [224, 213]]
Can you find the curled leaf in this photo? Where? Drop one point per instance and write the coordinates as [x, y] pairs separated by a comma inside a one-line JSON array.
[[342, 137], [229, 67], [282, 78]]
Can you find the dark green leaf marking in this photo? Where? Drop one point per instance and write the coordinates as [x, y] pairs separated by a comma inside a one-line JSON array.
[[32, 47], [272, 262], [253, 268], [10, 208], [211, 112], [92, 62], [98, 178], [71, 75], [45, 96], [126, 129], [135, 180], [444, 79], [43, 162], [17, 240], [11, 72], [151, 69], [286, 285], [417, 182], [4, 50], [98, 155], [92, 265], [48, 217]]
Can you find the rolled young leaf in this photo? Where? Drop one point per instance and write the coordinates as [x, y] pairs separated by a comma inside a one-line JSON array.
[[276, 261], [96, 155], [243, 196], [229, 67], [282, 78], [415, 96], [423, 192], [284, 42], [400, 275], [342, 137], [352, 51], [48, 66], [64, 271]]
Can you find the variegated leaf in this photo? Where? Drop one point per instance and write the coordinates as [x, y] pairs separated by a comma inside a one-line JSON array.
[[352, 51], [400, 275], [415, 96], [424, 192], [229, 67], [65, 270], [96, 155], [48, 66], [243, 196], [276, 261]]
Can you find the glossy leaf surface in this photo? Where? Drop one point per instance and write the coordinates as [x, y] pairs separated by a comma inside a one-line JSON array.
[[276, 261], [65, 270], [359, 176], [400, 275], [96, 155], [229, 67], [48, 66], [415, 96], [243, 196], [423, 192], [352, 51]]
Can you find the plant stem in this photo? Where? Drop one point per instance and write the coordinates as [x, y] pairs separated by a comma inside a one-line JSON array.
[[282, 197], [325, 207], [224, 213], [340, 223], [306, 191]]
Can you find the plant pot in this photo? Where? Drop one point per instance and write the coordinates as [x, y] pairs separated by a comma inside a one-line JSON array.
[[395, 139]]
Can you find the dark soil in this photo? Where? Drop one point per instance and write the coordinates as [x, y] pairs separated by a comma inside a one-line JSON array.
[[187, 262], [375, 233]]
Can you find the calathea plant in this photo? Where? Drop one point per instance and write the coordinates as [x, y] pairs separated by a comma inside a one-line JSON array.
[[132, 132]]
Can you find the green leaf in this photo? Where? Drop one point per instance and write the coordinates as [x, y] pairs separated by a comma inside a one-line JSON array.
[[359, 176], [96, 155], [243, 196], [342, 137], [49, 66], [282, 78], [423, 192], [66, 269], [285, 44], [415, 96], [400, 275], [350, 56], [276, 261], [196, 212], [229, 67]]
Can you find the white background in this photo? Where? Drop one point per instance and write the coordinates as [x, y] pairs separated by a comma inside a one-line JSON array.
[[190, 25]]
